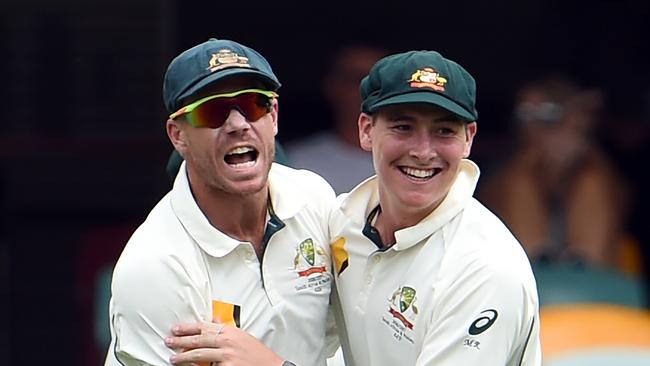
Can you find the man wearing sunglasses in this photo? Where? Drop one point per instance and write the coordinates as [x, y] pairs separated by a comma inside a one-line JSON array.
[[239, 240]]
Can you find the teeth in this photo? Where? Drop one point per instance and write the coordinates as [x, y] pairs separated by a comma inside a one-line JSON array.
[[243, 165], [240, 150], [419, 173]]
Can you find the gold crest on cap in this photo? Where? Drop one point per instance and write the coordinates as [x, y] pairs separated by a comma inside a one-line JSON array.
[[226, 58], [428, 78]]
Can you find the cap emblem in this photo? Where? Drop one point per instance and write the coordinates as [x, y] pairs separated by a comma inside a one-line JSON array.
[[225, 58], [428, 78]]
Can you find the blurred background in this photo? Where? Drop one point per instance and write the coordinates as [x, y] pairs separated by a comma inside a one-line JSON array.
[[564, 115]]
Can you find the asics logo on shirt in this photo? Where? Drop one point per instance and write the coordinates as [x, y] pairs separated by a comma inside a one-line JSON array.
[[482, 324]]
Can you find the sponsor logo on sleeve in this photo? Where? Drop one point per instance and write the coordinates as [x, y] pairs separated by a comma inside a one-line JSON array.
[[480, 325]]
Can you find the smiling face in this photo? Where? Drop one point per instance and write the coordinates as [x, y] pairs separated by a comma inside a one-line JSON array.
[[416, 150], [234, 158]]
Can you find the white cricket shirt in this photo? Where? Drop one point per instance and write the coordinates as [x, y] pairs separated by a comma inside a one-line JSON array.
[[178, 268], [456, 289]]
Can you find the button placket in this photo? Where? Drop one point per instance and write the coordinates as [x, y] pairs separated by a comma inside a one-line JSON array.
[[250, 253], [368, 278], [248, 256]]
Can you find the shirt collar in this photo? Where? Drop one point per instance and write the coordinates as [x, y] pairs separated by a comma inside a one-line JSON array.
[[209, 238], [366, 196], [287, 197]]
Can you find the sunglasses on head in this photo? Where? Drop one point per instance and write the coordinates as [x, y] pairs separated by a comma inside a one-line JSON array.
[[213, 110]]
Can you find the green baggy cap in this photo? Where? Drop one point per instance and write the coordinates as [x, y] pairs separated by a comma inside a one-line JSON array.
[[420, 77], [204, 64]]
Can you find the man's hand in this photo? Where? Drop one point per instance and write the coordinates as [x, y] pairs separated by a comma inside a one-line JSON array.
[[215, 342]]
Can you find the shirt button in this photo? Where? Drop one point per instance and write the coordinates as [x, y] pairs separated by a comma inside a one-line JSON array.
[[247, 252], [368, 279], [376, 259]]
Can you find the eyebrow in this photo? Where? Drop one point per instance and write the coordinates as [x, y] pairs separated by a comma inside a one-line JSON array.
[[448, 118], [401, 116]]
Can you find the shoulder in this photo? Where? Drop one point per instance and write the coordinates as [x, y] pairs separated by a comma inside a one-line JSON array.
[[150, 265], [350, 209], [159, 255], [159, 279], [488, 232], [484, 247]]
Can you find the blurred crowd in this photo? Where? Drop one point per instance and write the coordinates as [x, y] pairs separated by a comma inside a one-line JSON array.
[[558, 189]]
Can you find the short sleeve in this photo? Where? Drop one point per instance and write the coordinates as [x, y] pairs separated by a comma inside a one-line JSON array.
[[147, 299], [487, 318]]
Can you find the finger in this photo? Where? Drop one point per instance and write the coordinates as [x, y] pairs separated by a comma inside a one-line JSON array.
[[183, 329], [193, 341], [198, 355], [217, 328], [212, 328]]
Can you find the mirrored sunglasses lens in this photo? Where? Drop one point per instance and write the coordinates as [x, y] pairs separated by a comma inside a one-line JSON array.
[[211, 114], [214, 112], [253, 105]]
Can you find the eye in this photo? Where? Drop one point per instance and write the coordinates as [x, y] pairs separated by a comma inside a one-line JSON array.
[[446, 131], [401, 127], [264, 101]]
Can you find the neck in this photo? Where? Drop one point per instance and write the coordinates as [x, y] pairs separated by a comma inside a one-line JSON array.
[[394, 217], [240, 216]]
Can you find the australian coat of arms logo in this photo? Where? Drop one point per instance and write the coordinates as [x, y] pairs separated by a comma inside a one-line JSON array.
[[403, 306], [428, 78], [225, 58], [309, 259]]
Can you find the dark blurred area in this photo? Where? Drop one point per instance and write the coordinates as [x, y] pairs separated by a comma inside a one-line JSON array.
[[83, 148]]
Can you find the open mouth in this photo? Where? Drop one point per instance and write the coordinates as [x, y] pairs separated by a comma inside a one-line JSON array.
[[420, 174], [241, 157]]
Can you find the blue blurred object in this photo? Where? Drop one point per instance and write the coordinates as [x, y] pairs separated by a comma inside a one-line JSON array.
[[604, 357], [102, 296], [573, 283]]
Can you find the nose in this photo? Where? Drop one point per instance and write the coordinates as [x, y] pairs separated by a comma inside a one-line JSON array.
[[423, 147], [236, 122]]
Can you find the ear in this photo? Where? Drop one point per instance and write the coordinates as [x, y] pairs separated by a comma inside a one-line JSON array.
[[470, 132], [366, 124], [177, 136], [275, 111]]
